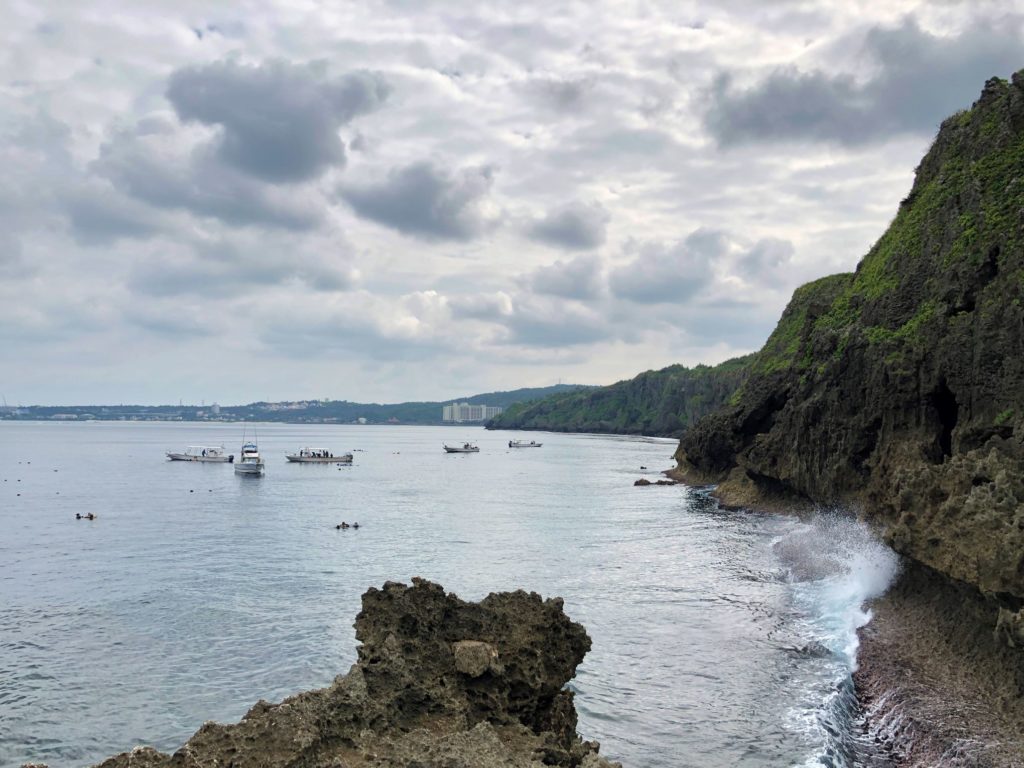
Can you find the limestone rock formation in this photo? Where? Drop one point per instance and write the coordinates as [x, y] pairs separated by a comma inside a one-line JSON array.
[[899, 388], [439, 683]]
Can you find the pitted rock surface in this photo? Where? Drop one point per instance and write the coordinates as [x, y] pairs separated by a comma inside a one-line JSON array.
[[473, 658]]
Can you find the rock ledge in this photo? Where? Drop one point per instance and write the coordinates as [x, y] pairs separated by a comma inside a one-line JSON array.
[[439, 683]]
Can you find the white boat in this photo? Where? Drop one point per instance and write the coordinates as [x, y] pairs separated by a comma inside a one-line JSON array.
[[464, 448], [250, 464], [208, 453], [524, 444], [319, 456]]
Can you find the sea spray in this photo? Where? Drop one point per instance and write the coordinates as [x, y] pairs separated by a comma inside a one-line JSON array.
[[836, 565]]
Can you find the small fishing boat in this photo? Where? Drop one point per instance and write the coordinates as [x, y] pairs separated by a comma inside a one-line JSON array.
[[250, 464], [464, 448], [318, 456], [208, 453], [524, 444]]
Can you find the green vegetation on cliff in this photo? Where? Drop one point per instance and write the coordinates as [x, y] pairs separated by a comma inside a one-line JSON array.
[[900, 387], [664, 402]]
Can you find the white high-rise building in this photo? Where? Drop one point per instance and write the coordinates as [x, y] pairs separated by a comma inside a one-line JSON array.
[[460, 412]]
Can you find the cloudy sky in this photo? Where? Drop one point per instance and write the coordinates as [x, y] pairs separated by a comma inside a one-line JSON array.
[[405, 199]]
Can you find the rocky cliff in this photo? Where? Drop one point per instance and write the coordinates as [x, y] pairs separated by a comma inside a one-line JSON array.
[[899, 388], [439, 683]]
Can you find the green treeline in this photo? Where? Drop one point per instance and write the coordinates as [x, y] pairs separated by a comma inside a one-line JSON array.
[[664, 403]]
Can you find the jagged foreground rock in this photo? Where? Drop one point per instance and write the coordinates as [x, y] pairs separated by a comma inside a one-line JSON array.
[[439, 683]]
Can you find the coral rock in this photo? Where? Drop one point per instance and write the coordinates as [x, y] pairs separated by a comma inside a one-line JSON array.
[[439, 683]]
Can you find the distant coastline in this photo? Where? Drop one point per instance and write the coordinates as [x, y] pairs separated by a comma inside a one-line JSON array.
[[427, 413]]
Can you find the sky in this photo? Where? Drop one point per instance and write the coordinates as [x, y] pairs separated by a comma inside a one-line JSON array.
[[399, 200]]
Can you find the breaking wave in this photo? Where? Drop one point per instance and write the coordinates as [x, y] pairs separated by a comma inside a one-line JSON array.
[[836, 565]]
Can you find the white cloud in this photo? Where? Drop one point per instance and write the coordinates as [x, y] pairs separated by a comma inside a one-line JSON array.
[[164, 162]]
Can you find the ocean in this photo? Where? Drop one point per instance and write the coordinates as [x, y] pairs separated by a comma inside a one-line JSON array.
[[720, 638]]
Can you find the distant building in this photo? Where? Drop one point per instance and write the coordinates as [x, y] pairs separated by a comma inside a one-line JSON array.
[[215, 409], [460, 412]]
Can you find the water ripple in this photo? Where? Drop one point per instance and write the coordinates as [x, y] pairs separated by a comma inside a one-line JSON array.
[[173, 608]]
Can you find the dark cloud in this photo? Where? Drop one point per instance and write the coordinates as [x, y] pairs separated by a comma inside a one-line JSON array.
[[575, 226], [425, 201], [670, 273], [148, 163], [279, 122], [99, 215], [919, 79], [579, 278]]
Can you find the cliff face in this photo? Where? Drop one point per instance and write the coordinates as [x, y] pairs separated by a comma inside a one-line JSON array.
[[900, 387], [439, 683], [665, 402]]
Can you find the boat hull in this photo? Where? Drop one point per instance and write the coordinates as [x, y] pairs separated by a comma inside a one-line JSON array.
[[249, 469], [202, 459], [525, 445], [447, 449], [319, 459]]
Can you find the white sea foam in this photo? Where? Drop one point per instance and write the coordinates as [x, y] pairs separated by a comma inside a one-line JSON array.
[[836, 566]]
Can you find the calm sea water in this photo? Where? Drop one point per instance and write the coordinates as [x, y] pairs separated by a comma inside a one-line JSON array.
[[720, 638]]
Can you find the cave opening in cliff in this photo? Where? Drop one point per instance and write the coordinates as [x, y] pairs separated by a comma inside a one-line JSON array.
[[945, 407], [990, 267]]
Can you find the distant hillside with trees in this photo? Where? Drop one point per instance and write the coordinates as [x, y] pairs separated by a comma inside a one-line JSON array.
[[426, 412], [659, 403], [293, 411]]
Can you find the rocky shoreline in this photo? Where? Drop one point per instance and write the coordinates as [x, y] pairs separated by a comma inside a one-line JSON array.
[[938, 687], [898, 390], [439, 683]]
